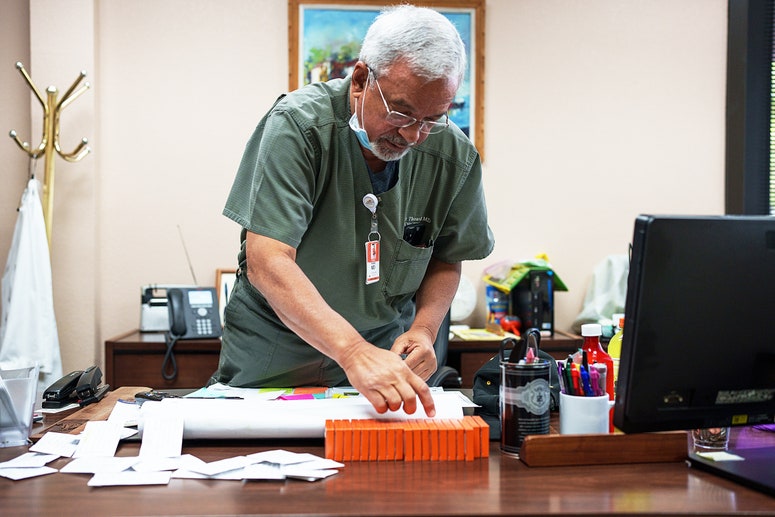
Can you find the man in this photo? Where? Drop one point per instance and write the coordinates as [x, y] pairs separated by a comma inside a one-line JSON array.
[[358, 202]]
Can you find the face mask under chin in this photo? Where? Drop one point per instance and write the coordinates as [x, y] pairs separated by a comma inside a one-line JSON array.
[[363, 138], [360, 133], [355, 125]]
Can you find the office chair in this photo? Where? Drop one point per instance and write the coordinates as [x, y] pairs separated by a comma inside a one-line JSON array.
[[444, 376]]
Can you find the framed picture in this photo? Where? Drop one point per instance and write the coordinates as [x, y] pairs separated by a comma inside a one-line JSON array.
[[224, 282], [324, 40]]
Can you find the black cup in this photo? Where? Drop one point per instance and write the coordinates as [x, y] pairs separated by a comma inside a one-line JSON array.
[[524, 402]]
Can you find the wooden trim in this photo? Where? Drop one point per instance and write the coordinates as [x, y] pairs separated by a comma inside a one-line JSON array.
[[478, 6]]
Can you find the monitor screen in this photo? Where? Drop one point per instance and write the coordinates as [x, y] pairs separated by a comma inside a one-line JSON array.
[[698, 348]]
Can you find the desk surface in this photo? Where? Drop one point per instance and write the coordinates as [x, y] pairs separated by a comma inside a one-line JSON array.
[[497, 485]]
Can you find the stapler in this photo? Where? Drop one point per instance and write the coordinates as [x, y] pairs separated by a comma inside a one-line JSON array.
[[88, 389], [60, 393], [81, 387]]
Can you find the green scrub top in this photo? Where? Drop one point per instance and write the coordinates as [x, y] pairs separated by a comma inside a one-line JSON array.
[[302, 181]]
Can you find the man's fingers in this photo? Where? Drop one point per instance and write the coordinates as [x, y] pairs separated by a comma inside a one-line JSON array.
[[377, 400], [418, 389], [426, 399], [393, 399], [421, 364]]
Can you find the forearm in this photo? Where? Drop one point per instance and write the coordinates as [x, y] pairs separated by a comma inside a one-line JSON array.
[[435, 295], [380, 375], [272, 269]]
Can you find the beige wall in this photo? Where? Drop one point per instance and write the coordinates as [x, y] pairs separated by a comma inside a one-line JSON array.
[[595, 111]]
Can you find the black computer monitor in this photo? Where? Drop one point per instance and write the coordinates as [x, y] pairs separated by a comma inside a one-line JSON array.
[[698, 348]]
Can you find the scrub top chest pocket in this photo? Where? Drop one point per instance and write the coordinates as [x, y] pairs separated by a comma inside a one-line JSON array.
[[406, 270]]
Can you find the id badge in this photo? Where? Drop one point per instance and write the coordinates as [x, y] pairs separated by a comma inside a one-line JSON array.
[[372, 262]]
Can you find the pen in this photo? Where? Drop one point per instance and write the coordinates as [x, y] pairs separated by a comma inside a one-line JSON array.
[[569, 378], [561, 377], [585, 382], [594, 380], [602, 370], [575, 377], [530, 357]]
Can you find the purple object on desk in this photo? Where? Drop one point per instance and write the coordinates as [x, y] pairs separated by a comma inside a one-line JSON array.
[[298, 396], [753, 437]]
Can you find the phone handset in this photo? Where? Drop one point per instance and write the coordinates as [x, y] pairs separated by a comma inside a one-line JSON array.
[[177, 318], [193, 314]]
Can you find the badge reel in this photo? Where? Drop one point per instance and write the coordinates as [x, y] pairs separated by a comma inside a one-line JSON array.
[[370, 201]]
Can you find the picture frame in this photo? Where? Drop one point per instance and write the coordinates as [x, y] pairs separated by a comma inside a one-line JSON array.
[[224, 283], [324, 37]]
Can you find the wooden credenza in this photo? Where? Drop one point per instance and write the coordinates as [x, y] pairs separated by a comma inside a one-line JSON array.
[[135, 359], [468, 356]]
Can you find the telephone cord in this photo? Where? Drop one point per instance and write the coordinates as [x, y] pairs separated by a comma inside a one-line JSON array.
[[169, 359]]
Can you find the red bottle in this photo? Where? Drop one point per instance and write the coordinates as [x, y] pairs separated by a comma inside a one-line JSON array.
[[591, 333]]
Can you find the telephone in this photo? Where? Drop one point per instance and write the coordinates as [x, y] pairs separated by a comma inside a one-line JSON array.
[[82, 387], [154, 315], [193, 312]]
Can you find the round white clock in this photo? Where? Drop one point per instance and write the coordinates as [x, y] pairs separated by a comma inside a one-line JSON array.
[[464, 302]]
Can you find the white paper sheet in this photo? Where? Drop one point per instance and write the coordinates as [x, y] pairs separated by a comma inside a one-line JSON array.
[[299, 472], [124, 413], [219, 467], [262, 471], [26, 472], [130, 478], [99, 438], [269, 465], [61, 444], [162, 437], [29, 460], [99, 464], [159, 464]]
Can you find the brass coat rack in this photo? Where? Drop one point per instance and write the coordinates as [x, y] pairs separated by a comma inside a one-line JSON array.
[[52, 109]]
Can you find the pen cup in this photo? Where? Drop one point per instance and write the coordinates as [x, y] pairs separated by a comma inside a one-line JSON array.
[[524, 403], [584, 415]]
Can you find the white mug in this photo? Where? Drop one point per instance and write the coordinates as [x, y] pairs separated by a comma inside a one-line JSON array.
[[584, 415]]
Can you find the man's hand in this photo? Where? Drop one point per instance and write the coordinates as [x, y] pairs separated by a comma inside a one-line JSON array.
[[417, 346], [385, 380]]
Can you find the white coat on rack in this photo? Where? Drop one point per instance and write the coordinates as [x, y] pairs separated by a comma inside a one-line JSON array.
[[28, 329]]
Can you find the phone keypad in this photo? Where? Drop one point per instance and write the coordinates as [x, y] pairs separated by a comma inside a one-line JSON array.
[[204, 326]]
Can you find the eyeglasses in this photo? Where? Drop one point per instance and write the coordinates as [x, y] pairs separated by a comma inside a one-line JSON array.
[[398, 119]]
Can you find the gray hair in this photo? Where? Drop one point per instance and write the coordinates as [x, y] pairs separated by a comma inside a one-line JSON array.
[[421, 37]]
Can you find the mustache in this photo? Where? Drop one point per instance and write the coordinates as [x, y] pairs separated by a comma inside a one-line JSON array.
[[398, 140]]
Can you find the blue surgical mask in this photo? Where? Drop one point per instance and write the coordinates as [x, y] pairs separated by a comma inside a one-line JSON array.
[[360, 133]]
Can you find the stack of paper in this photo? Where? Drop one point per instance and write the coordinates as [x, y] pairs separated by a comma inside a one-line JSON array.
[[159, 459]]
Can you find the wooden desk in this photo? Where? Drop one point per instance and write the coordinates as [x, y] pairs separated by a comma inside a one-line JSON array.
[[468, 356], [500, 485], [135, 359]]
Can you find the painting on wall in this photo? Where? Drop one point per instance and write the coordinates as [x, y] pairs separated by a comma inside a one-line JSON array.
[[224, 283], [324, 43]]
